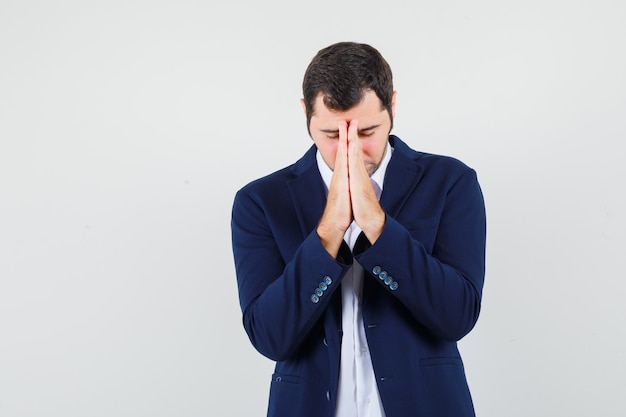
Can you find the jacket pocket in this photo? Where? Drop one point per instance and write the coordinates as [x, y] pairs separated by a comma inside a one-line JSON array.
[[286, 396], [445, 384], [290, 379], [441, 360]]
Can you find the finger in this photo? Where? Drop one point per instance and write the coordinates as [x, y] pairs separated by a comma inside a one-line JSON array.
[[343, 130], [341, 159], [353, 131], [353, 139], [355, 155]]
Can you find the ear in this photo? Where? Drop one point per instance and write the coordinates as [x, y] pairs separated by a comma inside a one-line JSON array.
[[303, 106], [308, 127], [393, 104]]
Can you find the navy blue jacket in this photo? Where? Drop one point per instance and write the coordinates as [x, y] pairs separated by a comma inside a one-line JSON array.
[[421, 294]]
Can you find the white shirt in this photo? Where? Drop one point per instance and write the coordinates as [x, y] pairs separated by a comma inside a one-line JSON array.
[[357, 394]]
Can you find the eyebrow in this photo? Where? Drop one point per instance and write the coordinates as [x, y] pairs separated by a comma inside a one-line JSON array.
[[365, 129]]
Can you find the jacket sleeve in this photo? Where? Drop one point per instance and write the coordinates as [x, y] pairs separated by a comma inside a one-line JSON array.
[[281, 297], [441, 288]]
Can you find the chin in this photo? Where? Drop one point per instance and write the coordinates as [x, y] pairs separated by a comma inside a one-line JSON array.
[[371, 169]]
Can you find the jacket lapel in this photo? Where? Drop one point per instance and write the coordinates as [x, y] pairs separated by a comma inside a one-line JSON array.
[[307, 192], [402, 176]]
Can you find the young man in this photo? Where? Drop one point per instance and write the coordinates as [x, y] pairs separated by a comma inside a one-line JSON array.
[[362, 264]]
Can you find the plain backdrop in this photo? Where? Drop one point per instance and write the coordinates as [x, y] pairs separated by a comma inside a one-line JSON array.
[[126, 128]]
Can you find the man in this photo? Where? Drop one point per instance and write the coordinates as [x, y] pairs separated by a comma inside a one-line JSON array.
[[361, 265]]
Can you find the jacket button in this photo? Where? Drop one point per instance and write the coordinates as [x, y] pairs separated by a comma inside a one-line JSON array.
[[315, 299], [323, 286], [388, 280], [328, 280], [393, 286], [328, 395], [383, 275], [376, 270], [319, 292]]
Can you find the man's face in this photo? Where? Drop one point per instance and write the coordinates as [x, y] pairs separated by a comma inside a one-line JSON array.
[[374, 126]]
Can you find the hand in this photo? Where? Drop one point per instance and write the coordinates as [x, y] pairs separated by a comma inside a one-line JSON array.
[[365, 207], [337, 214]]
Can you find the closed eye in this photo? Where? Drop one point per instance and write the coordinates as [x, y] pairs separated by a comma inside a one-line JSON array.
[[363, 133]]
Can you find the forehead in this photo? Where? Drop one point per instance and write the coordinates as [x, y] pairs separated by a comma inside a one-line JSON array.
[[369, 108]]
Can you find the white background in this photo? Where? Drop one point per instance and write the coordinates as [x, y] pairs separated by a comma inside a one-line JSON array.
[[127, 126]]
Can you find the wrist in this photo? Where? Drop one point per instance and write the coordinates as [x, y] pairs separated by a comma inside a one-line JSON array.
[[375, 227], [330, 237]]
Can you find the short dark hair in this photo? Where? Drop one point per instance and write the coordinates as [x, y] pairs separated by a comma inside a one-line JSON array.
[[343, 72]]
